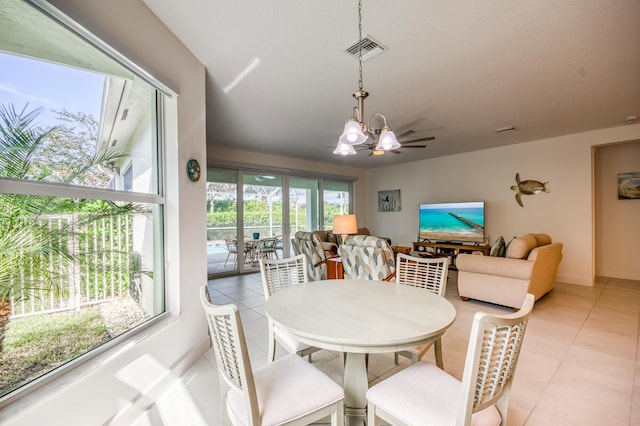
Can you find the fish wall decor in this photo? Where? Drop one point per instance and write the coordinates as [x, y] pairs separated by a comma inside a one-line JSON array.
[[528, 187]]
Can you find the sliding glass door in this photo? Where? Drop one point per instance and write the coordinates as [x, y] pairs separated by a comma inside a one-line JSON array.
[[250, 217], [222, 221], [261, 218]]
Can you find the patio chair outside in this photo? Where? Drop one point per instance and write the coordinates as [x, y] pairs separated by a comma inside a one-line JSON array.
[[232, 249]]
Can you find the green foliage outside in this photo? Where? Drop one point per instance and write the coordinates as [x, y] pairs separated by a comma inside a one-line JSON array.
[[43, 342], [36, 231], [256, 217]]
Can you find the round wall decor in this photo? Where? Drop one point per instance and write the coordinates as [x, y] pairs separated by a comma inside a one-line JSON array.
[[193, 170]]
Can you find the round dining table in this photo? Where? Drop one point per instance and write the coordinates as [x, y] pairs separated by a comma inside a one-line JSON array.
[[358, 317]]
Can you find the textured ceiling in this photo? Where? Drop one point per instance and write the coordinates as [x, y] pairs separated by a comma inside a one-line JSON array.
[[279, 81]]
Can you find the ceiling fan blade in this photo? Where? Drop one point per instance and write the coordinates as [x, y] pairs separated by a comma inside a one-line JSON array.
[[405, 134], [414, 146], [429, 138], [395, 151]]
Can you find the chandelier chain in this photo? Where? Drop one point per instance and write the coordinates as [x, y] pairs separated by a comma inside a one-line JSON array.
[[356, 130], [360, 43]]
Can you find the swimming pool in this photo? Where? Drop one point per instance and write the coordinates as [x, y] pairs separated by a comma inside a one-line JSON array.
[[214, 247]]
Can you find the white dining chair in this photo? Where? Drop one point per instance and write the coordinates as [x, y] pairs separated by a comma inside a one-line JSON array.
[[431, 275], [423, 394], [289, 391], [278, 274]]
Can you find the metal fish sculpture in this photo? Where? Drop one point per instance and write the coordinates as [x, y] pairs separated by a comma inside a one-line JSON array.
[[528, 187]]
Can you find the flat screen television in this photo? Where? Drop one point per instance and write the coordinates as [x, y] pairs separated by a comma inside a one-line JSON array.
[[452, 222]]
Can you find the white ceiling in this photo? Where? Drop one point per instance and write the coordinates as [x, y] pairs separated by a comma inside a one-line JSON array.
[[279, 81]]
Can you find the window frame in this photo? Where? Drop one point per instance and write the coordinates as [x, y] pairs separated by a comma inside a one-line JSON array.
[[54, 189]]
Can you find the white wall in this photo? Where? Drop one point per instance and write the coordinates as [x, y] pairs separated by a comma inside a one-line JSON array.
[[565, 212], [617, 221], [131, 375]]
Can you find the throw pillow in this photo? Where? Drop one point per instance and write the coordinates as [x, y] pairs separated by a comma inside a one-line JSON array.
[[542, 239], [498, 248], [520, 247]]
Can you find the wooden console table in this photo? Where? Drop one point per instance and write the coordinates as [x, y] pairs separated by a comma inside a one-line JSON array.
[[424, 248]]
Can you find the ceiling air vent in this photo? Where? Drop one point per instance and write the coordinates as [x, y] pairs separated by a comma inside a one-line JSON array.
[[505, 129], [370, 48]]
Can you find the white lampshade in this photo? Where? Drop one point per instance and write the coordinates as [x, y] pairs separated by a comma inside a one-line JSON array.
[[344, 149], [388, 141], [345, 224], [352, 134]]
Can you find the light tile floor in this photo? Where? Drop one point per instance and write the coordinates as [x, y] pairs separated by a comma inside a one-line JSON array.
[[579, 363]]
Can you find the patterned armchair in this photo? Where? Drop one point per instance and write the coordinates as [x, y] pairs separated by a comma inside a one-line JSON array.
[[309, 244], [367, 258]]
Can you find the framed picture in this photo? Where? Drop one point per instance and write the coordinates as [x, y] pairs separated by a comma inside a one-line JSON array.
[[629, 186], [389, 201]]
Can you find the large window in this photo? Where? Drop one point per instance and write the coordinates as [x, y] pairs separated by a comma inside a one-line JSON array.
[[81, 202]]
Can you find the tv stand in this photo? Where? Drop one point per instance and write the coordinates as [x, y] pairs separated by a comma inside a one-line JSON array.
[[450, 250]]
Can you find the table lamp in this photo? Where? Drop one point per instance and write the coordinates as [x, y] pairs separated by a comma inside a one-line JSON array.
[[344, 225]]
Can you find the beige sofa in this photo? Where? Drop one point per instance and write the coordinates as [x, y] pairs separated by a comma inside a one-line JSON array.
[[530, 265]]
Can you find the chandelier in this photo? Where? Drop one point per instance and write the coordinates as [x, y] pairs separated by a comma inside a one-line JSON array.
[[356, 131]]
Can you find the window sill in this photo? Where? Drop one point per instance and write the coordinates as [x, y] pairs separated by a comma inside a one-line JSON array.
[[28, 397]]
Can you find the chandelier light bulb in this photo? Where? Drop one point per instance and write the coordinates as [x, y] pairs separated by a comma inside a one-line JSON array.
[[388, 141], [344, 149], [352, 133]]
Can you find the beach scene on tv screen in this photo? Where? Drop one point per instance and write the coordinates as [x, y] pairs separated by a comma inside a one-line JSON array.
[[452, 222]]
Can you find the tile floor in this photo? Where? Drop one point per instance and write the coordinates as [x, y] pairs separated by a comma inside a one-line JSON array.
[[579, 363]]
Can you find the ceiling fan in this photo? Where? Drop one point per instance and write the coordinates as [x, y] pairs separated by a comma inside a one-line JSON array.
[[373, 142]]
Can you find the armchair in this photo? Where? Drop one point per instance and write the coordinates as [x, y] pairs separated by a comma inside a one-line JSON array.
[[329, 242], [530, 265], [309, 244], [367, 258]]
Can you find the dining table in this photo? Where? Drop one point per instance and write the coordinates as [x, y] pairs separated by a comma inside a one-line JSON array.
[[257, 248], [360, 317]]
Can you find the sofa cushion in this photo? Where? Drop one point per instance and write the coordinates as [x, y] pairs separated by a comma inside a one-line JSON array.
[[542, 239], [520, 247], [498, 247], [494, 266]]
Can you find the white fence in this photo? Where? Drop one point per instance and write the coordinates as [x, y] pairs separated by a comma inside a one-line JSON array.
[[99, 271]]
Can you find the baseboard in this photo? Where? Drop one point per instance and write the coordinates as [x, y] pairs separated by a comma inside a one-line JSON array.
[[568, 279], [190, 358], [621, 275]]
